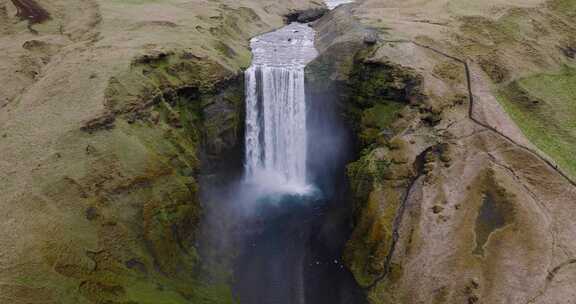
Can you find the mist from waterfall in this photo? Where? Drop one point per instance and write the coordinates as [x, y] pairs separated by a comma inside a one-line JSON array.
[[287, 218], [276, 133]]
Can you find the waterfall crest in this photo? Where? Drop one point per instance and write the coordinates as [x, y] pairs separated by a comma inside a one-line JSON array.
[[332, 4], [276, 134]]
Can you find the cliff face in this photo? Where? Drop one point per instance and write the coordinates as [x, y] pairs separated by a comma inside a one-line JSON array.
[[463, 111], [108, 111], [462, 192]]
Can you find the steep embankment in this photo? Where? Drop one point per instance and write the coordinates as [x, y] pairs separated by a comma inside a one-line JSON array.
[[109, 108], [108, 111], [454, 202]]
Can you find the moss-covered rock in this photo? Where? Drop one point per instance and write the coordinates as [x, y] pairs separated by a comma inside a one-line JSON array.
[[484, 212], [179, 115], [377, 94]]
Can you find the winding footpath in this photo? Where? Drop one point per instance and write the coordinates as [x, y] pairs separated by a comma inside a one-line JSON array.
[[471, 102]]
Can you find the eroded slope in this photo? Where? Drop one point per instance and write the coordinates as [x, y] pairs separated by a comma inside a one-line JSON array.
[[108, 110], [455, 201]]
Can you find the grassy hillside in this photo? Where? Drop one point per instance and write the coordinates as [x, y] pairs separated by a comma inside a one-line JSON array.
[[544, 106]]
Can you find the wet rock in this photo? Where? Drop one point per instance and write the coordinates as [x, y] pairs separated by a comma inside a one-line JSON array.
[[155, 117], [371, 38], [136, 265], [472, 299], [34, 44], [437, 209], [432, 119], [152, 57], [90, 150], [103, 122], [474, 283], [305, 16], [569, 51], [30, 10], [92, 213]]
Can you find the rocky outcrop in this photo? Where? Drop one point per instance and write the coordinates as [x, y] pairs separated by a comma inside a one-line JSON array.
[[452, 203], [463, 184], [30, 10], [109, 114], [305, 16]]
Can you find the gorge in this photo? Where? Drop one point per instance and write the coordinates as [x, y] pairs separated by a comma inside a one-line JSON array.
[[284, 256], [295, 151]]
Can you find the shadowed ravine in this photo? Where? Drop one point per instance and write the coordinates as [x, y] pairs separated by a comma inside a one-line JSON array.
[[290, 212]]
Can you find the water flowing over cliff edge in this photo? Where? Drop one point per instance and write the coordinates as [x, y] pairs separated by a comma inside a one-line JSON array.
[[283, 259], [276, 132], [455, 119]]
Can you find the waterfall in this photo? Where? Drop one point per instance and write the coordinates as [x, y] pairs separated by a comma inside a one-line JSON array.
[[276, 134], [276, 121], [295, 156]]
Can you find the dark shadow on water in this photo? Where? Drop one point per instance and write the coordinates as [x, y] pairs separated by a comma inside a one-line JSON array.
[[292, 246], [290, 256]]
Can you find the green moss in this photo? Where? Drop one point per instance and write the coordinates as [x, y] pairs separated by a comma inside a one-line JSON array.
[[377, 83], [361, 178], [168, 259], [225, 50], [566, 7], [371, 242], [378, 92], [149, 202], [544, 107], [381, 115], [382, 169], [376, 205], [143, 292]]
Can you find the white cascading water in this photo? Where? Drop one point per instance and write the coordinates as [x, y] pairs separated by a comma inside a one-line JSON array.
[[332, 4], [276, 135]]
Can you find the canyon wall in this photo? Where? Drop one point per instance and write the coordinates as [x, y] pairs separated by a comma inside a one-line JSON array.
[[457, 198], [109, 111]]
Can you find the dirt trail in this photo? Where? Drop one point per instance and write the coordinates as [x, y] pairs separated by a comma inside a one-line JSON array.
[[470, 115]]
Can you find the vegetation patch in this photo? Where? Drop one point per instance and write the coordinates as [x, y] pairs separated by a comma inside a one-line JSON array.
[[141, 200], [566, 7], [377, 96], [544, 107], [378, 92]]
